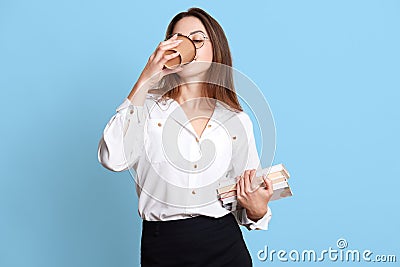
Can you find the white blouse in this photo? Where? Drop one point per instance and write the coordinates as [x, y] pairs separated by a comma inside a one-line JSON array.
[[180, 181]]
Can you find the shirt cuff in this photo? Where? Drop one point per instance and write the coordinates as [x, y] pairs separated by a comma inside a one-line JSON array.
[[261, 224]]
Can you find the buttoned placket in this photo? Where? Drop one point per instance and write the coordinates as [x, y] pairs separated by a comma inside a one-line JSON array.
[[195, 154], [195, 150], [191, 175]]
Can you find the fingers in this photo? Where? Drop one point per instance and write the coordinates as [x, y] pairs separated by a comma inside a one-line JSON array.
[[170, 71], [167, 57], [160, 51], [173, 38], [238, 190], [268, 185], [170, 45], [155, 67], [246, 185], [166, 42], [248, 177], [241, 184], [252, 175]]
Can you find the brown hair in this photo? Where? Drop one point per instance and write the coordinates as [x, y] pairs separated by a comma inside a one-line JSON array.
[[221, 85]]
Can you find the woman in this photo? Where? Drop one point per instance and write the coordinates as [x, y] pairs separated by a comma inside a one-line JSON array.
[[184, 223]]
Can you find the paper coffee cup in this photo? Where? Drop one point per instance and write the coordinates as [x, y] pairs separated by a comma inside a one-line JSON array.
[[187, 53]]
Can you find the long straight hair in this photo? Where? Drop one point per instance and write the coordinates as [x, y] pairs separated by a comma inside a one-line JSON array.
[[221, 86]]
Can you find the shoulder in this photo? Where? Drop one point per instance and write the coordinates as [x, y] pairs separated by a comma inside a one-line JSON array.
[[244, 123], [242, 115], [232, 117], [244, 119]]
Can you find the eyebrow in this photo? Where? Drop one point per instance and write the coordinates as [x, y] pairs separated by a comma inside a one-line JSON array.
[[196, 31]]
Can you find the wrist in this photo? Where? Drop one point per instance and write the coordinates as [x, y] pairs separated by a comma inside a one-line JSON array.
[[256, 215]]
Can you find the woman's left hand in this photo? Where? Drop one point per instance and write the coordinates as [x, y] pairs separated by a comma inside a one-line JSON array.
[[255, 201]]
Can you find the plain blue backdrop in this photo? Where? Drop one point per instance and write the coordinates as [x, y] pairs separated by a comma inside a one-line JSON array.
[[329, 70]]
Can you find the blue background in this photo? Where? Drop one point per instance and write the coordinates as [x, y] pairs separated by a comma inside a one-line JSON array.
[[329, 70]]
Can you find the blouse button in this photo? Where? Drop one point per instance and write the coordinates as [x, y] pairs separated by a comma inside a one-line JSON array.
[[209, 125], [234, 138], [131, 111], [193, 192], [197, 139], [195, 165], [159, 124]]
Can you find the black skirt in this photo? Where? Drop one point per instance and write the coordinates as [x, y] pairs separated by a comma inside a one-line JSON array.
[[198, 241]]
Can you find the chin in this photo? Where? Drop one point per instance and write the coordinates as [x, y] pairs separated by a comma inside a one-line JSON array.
[[194, 69]]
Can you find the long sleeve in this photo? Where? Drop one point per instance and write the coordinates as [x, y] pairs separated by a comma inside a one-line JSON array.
[[252, 161], [122, 141]]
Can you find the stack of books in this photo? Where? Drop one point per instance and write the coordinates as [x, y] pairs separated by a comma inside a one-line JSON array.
[[277, 174]]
